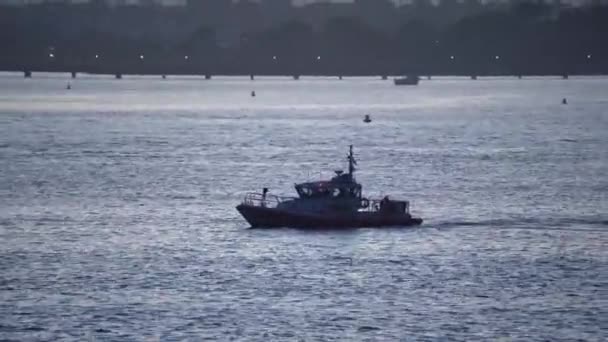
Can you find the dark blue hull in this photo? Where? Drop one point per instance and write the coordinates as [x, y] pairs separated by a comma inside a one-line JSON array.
[[260, 217]]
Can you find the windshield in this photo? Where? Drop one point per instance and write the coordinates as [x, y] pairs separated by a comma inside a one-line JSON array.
[[327, 191]]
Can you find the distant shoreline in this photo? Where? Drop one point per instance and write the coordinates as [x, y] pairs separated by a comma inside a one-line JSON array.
[[209, 75]]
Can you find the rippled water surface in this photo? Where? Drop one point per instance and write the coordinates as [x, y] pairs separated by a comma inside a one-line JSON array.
[[117, 219]]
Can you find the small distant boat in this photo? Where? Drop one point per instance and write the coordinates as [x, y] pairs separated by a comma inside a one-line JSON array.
[[407, 80], [367, 119], [334, 203]]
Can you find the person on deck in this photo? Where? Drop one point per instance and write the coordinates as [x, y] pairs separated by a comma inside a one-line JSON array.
[[264, 192], [384, 203]]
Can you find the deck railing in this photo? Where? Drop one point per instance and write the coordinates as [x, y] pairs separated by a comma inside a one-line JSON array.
[[267, 201], [256, 199], [376, 204]]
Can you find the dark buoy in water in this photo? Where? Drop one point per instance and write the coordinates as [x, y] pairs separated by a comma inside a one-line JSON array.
[[118, 76], [384, 77], [367, 119], [69, 86], [253, 93], [27, 74], [473, 77], [252, 77], [164, 77], [564, 101]]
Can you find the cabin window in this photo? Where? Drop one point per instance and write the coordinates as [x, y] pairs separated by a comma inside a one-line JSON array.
[[328, 191], [320, 192], [307, 192], [304, 191]]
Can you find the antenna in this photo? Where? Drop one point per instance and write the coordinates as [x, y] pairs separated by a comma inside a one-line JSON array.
[[351, 161]]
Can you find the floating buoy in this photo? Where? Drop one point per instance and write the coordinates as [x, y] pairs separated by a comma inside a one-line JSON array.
[[367, 119], [564, 101], [253, 94], [164, 76]]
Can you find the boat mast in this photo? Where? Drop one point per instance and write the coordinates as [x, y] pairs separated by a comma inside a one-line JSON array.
[[351, 162]]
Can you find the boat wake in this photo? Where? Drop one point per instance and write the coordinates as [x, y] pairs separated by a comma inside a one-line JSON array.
[[564, 224]]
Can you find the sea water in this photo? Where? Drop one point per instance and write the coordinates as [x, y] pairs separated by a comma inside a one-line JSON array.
[[117, 218]]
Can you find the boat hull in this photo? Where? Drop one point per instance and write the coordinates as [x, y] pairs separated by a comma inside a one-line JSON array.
[[406, 81], [260, 217]]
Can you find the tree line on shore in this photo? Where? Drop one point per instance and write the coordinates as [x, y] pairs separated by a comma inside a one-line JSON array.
[[449, 38]]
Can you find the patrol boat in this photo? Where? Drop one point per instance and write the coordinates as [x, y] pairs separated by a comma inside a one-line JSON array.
[[334, 203]]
